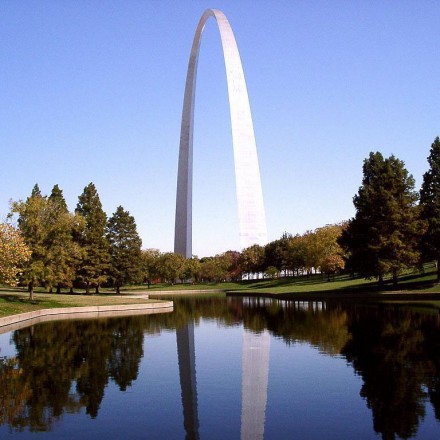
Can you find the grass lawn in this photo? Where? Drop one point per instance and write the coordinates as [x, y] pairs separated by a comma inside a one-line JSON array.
[[14, 301], [413, 281]]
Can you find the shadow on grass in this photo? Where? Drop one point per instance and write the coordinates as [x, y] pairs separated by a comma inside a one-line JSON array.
[[303, 281], [15, 299]]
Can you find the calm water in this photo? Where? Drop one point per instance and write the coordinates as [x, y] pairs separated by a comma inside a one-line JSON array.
[[227, 368]]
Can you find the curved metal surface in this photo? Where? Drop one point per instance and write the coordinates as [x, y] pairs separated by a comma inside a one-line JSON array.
[[251, 216]]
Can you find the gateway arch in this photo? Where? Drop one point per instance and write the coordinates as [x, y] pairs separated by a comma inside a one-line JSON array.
[[251, 216], [252, 227]]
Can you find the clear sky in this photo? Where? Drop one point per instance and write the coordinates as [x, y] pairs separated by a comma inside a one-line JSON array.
[[92, 91]]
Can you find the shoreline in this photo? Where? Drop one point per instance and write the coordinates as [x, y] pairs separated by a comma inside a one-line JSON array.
[[21, 320], [401, 295]]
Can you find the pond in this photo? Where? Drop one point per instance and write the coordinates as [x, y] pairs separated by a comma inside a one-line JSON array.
[[227, 368]]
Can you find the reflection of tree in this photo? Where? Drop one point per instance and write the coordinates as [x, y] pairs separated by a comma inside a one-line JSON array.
[[44, 358], [395, 350], [64, 366], [92, 354], [14, 392], [325, 328], [390, 350], [36, 385], [126, 354], [431, 331]]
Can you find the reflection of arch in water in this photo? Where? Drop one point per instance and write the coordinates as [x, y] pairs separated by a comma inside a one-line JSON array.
[[255, 376], [188, 383], [251, 216]]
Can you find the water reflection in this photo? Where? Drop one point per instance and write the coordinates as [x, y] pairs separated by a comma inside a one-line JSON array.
[[397, 356], [65, 367], [395, 350], [188, 382], [255, 376]]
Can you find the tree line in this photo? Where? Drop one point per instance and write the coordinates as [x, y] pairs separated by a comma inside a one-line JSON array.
[[84, 249], [288, 255], [394, 228]]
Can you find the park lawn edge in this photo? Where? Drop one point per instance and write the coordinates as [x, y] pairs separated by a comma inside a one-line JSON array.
[[14, 302]]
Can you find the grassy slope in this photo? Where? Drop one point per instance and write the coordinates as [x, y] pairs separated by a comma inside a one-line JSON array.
[[413, 282]]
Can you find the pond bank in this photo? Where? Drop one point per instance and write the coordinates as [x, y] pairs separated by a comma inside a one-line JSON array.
[[20, 320], [342, 296]]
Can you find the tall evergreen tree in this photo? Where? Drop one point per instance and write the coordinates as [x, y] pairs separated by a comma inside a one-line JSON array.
[[125, 249], [94, 264], [430, 203], [63, 251], [36, 191], [56, 196], [384, 235]]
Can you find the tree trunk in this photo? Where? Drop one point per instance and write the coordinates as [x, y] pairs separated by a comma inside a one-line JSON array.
[[395, 278], [59, 288], [71, 290], [97, 289], [31, 290], [380, 282], [87, 287], [118, 290]]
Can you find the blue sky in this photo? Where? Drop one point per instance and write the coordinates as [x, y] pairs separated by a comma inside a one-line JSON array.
[[92, 91]]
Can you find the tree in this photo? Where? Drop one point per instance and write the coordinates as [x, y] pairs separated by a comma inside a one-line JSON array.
[[295, 254], [94, 266], [271, 272], [150, 264], [383, 236], [192, 269], [310, 250], [57, 197], [63, 253], [252, 259], [125, 249], [33, 218], [430, 204], [210, 269], [47, 228], [330, 253], [171, 267], [13, 254], [234, 270], [216, 268], [275, 253]]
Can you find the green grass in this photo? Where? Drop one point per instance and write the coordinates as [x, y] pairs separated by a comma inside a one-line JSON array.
[[13, 301], [412, 281]]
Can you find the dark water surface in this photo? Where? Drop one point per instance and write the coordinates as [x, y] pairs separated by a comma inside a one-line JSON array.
[[227, 368]]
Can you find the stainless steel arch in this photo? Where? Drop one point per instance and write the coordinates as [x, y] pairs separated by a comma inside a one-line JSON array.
[[251, 216]]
